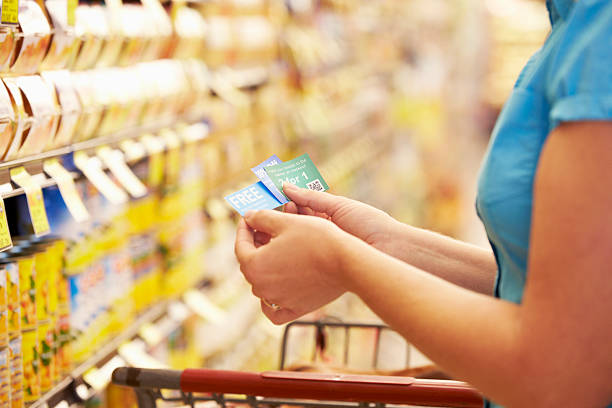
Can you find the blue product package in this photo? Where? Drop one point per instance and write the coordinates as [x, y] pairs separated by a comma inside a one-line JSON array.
[[266, 180], [254, 197]]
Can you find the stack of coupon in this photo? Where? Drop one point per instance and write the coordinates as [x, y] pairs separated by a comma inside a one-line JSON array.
[[267, 193]]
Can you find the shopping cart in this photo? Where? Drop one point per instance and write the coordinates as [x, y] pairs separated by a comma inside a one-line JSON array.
[[193, 387]]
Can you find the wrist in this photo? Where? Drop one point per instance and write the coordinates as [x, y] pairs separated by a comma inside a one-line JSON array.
[[351, 254]]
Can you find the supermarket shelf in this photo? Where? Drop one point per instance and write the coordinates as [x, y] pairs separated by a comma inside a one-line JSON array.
[[66, 389]]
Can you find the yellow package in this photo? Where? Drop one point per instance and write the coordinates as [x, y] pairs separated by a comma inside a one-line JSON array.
[[47, 355], [31, 365], [41, 270], [13, 296], [27, 291]]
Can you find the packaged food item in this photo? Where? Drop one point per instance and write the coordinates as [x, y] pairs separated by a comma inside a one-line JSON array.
[[91, 112], [32, 39], [47, 355], [13, 295], [27, 289], [91, 28], [5, 378], [133, 21], [16, 371], [7, 46], [63, 355], [114, 38], [157, 30], [41, 272], [69, 105], [7, 121], [191, 30], [22, 123], [64, 43], [31, 365], [219, 42], [42, 108]]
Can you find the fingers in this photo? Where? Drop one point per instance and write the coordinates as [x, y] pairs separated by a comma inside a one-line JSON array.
[[261, 238], [280, 316], [291, 208], [269, 221], [318, 201], [244, 247]]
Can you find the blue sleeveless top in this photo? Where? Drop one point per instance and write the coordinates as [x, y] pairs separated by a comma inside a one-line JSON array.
[[568, 79]]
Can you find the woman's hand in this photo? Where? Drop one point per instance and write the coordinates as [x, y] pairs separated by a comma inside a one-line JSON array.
[[298, 268], [365, 222]]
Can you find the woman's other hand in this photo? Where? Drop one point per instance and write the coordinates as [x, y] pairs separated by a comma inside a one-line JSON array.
[[297, 268], [365, 222]]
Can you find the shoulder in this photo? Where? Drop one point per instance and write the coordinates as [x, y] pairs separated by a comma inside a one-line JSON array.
[[579, 85]]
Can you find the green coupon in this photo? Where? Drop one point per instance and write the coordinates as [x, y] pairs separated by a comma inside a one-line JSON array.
[[300, 171]]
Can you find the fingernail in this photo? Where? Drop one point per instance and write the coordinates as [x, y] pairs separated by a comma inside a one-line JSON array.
[[289, 186]]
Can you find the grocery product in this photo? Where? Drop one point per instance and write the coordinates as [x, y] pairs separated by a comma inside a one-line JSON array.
[[5, 378], [64, 42], [4, 328], [46, 347], [7, 121], [13, 296], [69, 105], [31, 365], [16, 371], [32, 39]]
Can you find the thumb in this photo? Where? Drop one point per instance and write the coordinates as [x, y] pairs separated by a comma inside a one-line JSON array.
[[269, 221], [316, 200]]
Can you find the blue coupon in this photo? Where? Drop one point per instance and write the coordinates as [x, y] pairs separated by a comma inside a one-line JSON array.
[[254, 197], [263, 176]]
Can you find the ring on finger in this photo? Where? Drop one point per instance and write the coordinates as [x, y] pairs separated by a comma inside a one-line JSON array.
[[271, 305]]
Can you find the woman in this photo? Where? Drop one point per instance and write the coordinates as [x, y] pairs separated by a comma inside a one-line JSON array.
[[528, 323]]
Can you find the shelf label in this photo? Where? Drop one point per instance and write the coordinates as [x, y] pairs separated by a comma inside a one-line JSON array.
[[99, 378], [92, 169], [10, 12], [115, 161], [34, 196], [203, 307], [133, 150], [151, 334], [67, 189], [5, 235], [71, 9]]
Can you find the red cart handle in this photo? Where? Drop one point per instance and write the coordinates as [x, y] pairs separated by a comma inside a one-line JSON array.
[[292, 385]]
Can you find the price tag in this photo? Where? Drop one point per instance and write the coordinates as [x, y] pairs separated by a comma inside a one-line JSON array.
[[99, 378], [115, 161], [71, 6], [151, 334], [34, 196], [10, 12], [203, 307], [5, 235], [92, 169], [67, 189], [133, 150], [135, 354]]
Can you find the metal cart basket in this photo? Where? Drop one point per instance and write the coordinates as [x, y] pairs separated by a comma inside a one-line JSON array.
[[195, 387]]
